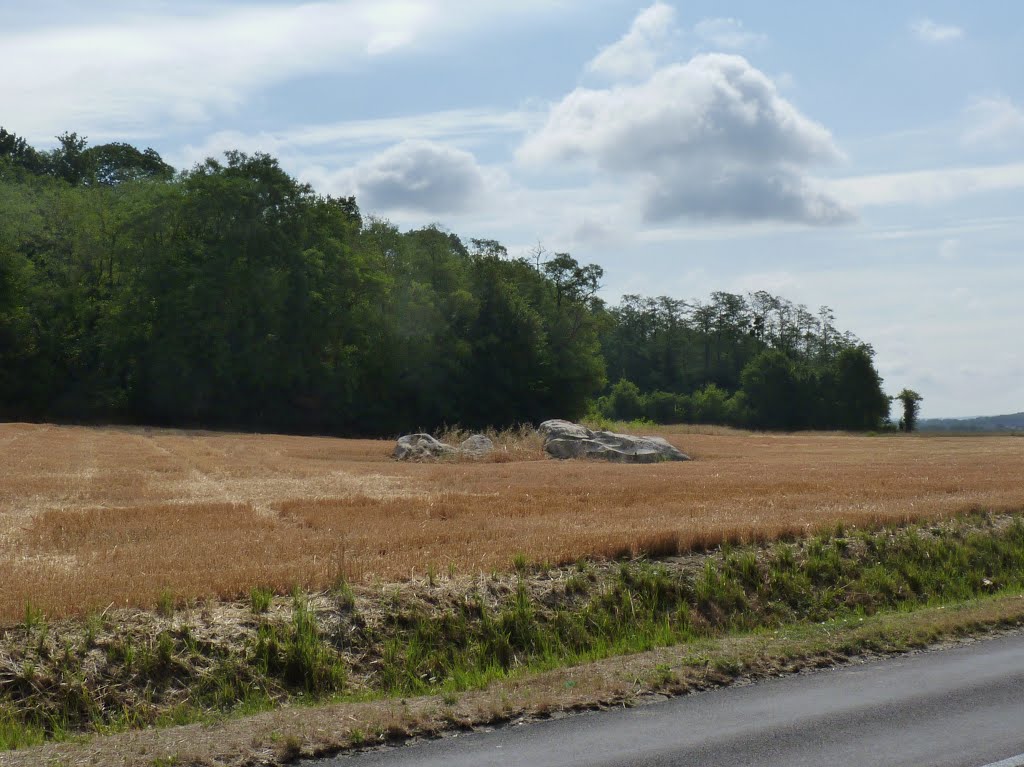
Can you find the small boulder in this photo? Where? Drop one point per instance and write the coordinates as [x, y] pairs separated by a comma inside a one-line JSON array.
[[417, 447], [423, 447], [564, 439], [476, 446]]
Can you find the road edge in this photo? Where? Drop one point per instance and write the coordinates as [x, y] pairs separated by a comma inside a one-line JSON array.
[[291, 733]]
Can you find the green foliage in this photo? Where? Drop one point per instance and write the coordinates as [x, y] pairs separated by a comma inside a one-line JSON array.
[[772, 391], [34, 618], [645, 605], [911, 402], [165, 604], [297, 654], [858, 400], [464, 643], [624, 402], [711, 405], [260, 599], [17, 733], [232, 295]]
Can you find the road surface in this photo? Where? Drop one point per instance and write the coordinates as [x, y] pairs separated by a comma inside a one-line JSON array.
[[962, 707]]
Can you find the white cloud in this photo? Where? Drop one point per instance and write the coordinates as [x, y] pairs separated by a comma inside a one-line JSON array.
[[727, 33], [949, 249], [746, 194], [120, 77], [638, 52], [711, 138], [342, 142], [929, 31], [416, 176], [994, 122], [926, 187]]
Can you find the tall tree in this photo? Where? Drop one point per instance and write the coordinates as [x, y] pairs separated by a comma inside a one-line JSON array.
[[858, 401], [118, 163], [911, 402], [19, 154], [771, 390]]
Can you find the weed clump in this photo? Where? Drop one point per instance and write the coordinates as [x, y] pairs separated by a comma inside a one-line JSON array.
[[260, 599], [296, 655]]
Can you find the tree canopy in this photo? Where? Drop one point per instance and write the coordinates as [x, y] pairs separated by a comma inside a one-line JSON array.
[[230, 294]]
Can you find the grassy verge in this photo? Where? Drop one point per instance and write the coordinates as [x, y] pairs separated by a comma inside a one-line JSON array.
[[736, 610]]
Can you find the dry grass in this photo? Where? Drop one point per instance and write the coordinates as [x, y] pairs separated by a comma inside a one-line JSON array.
[[93, 517], [522, 443]]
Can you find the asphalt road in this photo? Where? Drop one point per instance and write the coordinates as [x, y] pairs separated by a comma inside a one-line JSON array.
[[962, 707]]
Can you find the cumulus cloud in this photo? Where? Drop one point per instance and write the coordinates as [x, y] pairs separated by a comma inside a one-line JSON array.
[[929, 31], [995, 122], [727, 33], [749, 193], [709, 138], [637, 53], [418, 176]]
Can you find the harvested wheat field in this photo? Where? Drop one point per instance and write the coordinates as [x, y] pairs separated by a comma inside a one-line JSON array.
[[93, 517]]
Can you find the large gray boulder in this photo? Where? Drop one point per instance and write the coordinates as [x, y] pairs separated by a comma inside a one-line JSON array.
[[423, 447], [564, 439]]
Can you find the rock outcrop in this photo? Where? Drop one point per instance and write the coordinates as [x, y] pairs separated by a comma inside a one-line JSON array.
[[564, 439], [416, 447], [423, 447]]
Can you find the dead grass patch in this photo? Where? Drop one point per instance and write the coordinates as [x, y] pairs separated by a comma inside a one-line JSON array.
[[91, 517]]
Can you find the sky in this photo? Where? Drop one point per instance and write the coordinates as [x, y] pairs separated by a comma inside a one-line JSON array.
[[864, 156]]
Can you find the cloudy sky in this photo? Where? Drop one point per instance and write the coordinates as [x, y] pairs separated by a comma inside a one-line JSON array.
[[866, 156]]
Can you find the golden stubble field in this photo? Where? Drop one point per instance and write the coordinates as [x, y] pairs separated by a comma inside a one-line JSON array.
[[93, 517]]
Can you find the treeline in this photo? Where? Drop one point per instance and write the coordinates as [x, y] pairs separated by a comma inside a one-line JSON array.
[[755, 360], [232, 295], [1011, 422]]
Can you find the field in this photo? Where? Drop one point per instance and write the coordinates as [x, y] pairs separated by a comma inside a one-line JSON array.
[[94, 517]]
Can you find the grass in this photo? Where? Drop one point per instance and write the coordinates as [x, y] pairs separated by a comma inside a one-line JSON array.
[[260, 599], [165, 604], [98, 518], [520, 443], [275, 736], [450, 638], [797, 530]]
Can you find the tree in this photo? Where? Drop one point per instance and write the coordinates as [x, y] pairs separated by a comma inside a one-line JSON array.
[[857, 401], [911, 407], [625, 401], [771, 389], [117, 163], [711, 405], [18, 152], [573, 282], [71, 160], [231, 294]]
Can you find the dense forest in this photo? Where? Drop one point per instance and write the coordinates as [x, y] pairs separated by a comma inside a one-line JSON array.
[[230, 294]]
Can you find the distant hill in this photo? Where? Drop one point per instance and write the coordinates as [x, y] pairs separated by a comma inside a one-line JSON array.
[[1012, 422]]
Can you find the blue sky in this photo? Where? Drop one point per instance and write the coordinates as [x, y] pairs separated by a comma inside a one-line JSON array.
[[866, 156]]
